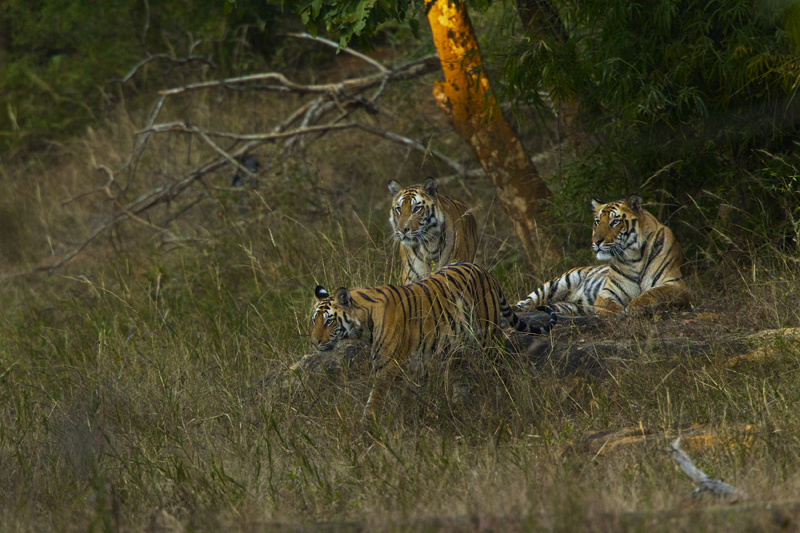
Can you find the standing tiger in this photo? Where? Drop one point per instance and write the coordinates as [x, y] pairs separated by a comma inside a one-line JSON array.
[[645, 268], [432, 229], [458, 305]]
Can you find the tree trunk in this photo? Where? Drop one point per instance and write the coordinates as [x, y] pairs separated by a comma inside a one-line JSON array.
[[472, 110]]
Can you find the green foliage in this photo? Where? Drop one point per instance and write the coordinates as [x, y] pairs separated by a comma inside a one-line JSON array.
[[698, 86], [353, 22], [59, 59]]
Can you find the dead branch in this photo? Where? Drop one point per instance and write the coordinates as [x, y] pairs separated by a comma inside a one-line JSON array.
[[333, 44], [455, 165], [705, 485], [107, 189], [184, 127], [415, 68]]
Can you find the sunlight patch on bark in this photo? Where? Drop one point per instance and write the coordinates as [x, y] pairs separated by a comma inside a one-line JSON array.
[[467, 103]]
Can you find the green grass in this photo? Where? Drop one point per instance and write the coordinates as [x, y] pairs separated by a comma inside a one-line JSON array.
[[130, 379]]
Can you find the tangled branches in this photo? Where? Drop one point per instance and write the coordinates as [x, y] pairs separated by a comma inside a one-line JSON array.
[[331, 109]]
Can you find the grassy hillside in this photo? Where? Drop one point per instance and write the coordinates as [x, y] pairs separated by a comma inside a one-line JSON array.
[[129, 378]]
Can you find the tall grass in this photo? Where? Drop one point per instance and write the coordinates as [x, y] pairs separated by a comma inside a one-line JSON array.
[[130, 379]]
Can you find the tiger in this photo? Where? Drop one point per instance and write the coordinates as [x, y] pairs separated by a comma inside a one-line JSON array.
[[432, 229], [644, 272], [459, 304]]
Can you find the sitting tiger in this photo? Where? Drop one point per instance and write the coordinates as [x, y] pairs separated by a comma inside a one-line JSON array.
[[433, 229], [645, 268], [459, 304]]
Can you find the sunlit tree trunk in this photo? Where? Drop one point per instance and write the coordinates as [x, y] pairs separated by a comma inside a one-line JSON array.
[[469, 106]]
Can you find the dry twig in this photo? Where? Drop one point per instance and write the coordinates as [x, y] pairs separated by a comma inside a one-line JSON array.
[[705, 485]]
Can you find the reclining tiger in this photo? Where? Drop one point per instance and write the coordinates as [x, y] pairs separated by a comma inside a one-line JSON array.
[[432, 229], [644, 273], [457, 306]]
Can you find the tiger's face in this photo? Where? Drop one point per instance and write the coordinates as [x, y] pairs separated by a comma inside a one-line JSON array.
[[333, 319], [615, 227], [414, 216]]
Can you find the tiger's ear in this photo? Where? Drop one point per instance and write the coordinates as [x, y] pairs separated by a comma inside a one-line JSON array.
[[634, 201], [321, 293], [343, 298], [394, 187], [596, 204], [430, 187]]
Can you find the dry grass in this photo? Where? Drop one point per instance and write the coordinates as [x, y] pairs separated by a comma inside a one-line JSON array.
[[129, 379]]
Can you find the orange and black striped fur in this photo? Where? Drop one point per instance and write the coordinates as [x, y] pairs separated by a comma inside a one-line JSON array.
[[457, 305], [645, 268], [432, 229]]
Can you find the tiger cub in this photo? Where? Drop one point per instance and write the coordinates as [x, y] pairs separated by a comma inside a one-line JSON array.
[[645, 268], [459, 304], [432, 229]]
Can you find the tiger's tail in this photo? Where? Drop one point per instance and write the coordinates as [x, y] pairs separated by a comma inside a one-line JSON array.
[[521, 325], [556, 290]]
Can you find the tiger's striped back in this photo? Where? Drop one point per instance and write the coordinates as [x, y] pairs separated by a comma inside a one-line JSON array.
[[645, 267], [460, 304], [432, 229]]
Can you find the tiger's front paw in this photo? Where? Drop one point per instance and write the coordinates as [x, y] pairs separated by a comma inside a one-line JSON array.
[[607, 307]]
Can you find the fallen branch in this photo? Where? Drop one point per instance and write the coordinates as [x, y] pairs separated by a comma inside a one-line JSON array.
[[705, 485], [415, 68]]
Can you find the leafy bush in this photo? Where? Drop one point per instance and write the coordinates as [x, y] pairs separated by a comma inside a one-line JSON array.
[[697, 89], [61, 61]]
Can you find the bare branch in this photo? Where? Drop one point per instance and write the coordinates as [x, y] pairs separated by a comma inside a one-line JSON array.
[[266, 137], [223, 153], [299, 112], [705, 484], [263, 137], [276, 76], [143, 140], [107, 189], [455, 165], [416, 68], [333, 44]]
